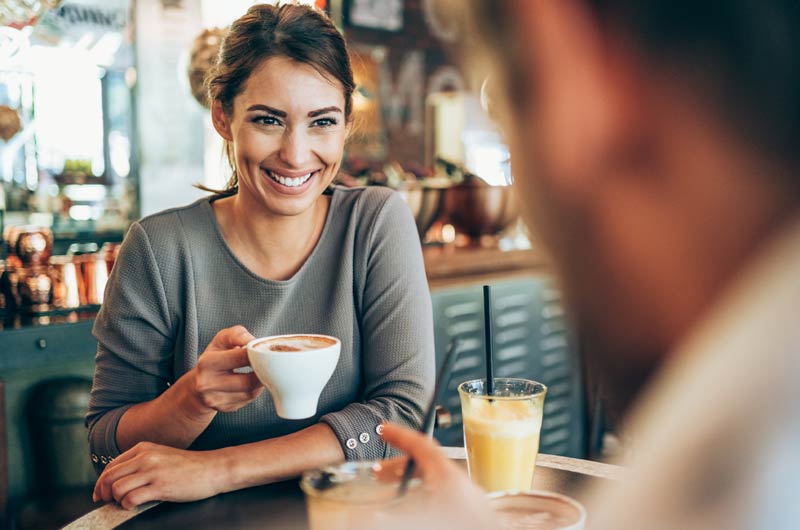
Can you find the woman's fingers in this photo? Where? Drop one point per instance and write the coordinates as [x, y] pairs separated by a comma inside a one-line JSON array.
[[231, 338], [104, 484], [230, 383], [129, 481], [221, 389], [224, 360], [245, 382], [234, 401], [122, 487], [139, 496], [166, 474], [216, 383], [118, 468]]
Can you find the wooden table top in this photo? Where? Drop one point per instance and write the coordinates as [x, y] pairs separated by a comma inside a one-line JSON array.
[[282, 505]]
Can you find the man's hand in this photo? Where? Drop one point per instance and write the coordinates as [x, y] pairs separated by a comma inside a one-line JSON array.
[[452, 501]]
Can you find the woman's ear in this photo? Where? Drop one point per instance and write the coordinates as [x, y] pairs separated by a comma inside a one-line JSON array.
[[221, 120]]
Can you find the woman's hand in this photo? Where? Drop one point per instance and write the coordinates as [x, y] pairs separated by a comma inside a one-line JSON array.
[[181, 413], [214, 386], [152, 472], [450, 499]]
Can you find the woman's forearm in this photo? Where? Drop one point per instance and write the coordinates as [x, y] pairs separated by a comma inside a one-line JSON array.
[[175, 418], [280, 458]]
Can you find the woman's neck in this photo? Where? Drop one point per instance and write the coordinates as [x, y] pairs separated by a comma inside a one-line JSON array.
[[272, 246]]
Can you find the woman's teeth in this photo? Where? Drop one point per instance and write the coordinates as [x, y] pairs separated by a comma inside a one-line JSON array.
[[289, 182]]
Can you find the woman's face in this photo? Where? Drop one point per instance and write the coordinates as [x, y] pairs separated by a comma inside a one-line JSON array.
[[288, 130]]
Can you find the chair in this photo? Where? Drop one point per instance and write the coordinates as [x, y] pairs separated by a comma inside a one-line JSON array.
[[64, 474]]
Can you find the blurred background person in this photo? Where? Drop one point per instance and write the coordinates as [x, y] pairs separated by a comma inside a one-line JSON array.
[[654, 147]]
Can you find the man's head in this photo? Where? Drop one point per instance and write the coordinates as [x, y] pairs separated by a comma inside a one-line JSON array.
[[652, 144]]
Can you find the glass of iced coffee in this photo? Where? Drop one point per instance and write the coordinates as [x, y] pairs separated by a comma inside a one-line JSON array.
[[358, 495], [501, 431]]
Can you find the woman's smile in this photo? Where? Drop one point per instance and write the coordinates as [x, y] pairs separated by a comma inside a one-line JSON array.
[[290, 182]]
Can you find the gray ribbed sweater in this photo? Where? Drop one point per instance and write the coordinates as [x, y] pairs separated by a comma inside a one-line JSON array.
[[176, 283]]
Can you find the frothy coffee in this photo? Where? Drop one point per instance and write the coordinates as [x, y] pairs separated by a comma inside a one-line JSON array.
[[295, 370], [534, 511], [294, 343]]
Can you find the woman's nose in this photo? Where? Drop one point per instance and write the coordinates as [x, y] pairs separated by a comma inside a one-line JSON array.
[[295, 150]]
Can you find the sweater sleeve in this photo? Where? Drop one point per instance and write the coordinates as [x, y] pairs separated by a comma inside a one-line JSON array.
[[134, 354], [397, 337]]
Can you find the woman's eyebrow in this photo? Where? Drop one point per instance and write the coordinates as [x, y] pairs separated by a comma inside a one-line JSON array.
[[324, 110], [276, 112]]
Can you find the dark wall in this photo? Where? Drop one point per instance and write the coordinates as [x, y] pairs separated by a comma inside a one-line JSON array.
[[406, 136]]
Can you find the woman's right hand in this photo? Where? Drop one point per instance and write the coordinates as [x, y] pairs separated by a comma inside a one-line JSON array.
[[213, 385], [181, 413]]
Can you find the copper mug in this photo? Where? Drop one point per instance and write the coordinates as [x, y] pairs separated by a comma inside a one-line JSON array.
[[66, 282], [3, 288], [93, 277], [110, 252], [30, 245], [35, 288], [8, 286], [10, 237]]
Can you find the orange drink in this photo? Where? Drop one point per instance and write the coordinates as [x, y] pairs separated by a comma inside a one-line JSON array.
[[501, 432]]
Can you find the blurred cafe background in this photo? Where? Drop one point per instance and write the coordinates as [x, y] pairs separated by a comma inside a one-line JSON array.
[[103, 121]]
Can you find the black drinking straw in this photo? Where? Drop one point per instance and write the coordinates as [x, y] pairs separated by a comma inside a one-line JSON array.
[[487, 329], [442, 379]]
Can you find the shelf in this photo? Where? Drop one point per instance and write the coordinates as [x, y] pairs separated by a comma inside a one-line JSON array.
[[448, 265]]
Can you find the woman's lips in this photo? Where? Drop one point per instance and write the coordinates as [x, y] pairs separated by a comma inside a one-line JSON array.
[[290, 185]]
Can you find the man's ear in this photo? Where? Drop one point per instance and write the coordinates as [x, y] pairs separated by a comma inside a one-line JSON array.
[[221, 120]]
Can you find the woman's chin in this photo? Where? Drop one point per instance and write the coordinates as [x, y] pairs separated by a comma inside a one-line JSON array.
[[291, 204]]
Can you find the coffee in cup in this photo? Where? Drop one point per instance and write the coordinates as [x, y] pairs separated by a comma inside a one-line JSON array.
[[294, 369], [294, 343], [537, 510]]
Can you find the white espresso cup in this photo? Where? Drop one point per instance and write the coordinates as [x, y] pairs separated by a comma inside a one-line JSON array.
[[294, 368]]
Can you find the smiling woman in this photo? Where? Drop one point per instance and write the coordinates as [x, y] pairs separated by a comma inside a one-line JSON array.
[[279, 251]]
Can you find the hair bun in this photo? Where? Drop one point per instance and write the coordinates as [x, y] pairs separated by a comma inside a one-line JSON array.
[[202, 56]]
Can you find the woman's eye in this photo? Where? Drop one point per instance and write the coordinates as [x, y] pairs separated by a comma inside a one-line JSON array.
[[324, 122], [266, 120]]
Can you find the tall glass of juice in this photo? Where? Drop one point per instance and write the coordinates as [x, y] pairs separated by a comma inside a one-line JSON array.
[[501, 431]]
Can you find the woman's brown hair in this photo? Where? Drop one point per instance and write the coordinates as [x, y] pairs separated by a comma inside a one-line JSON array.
[[298, 32]]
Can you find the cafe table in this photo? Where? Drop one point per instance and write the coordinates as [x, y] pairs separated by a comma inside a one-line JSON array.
[[281, 505]]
